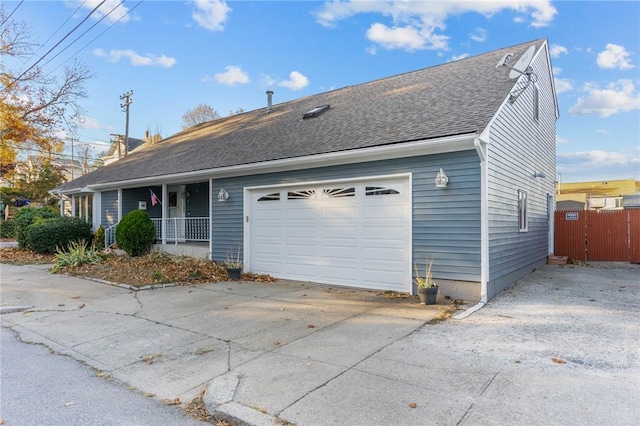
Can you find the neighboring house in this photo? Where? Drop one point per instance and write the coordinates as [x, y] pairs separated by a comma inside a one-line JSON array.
[[340, 187], [595, 195], [117, 150]]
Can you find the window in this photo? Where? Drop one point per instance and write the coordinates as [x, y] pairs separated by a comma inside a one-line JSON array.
[[523, 222], [380, 190], [536, 102], [301, 195], [270, 197], [339, 192]]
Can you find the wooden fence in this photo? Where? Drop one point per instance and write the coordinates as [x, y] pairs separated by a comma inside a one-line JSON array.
[[591, 235]]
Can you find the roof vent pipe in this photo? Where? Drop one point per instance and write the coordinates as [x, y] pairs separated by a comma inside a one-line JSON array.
[[269, 104]]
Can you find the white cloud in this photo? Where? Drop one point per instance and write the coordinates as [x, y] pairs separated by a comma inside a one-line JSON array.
[[211, 14], [458, 57], [614, 56], [479, 35], [557, 50], [119, 12], [584, 165], [617, 97], [233, 75], [137, 60], [414, 25], [89, 123], [563, 85], [296, 81]]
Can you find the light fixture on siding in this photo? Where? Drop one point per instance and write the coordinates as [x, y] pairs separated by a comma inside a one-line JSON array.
[[223, 195], [539, 175], [441, 179]]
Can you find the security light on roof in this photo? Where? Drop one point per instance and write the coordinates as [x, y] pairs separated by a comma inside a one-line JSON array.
[[522, 66]]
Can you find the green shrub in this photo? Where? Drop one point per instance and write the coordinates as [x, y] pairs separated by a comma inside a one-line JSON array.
[[27, 216], [135, 233], [98, 237], [78, 253], [7, 228], [45, 236]]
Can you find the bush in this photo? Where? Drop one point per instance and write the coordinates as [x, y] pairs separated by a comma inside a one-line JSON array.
[[7, 228], [28, 216], [78, 253], [135, 233], [98, 238], [46, 236]]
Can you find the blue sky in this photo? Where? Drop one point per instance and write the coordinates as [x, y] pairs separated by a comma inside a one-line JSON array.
[[175, 55]]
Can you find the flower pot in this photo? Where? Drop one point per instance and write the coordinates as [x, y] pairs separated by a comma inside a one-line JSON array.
[[428, 295], [234, 273]]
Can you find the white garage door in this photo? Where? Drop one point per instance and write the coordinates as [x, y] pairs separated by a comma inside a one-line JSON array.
[[349, 233]]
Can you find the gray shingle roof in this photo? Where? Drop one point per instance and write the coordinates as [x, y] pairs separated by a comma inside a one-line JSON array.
[[454, 98]]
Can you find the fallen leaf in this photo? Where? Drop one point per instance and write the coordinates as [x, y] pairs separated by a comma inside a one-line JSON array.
[[101, 374], [558, 360], [175, 401], [68, 403], [413, 405], [276, 343], [311, 326]]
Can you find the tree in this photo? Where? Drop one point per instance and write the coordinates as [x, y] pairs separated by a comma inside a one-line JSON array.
[[39, 177], [34, 105], [200, 114]]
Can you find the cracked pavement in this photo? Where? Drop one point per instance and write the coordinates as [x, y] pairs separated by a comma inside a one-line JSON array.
[[559, 347]]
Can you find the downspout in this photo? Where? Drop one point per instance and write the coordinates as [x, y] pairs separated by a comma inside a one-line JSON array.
[[482, 148]]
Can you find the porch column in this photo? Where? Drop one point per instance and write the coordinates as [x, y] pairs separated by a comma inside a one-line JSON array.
[[86, 208], [164, 213], [73, 206]]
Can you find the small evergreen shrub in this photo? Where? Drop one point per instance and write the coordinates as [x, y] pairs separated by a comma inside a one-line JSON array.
[[98, 237], [7, 228], [45, 236], [26, 217], [78, 253], [135, 234]]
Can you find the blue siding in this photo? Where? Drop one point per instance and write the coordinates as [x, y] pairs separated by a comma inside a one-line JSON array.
[[446, 222], [109, 207], [521, 145]]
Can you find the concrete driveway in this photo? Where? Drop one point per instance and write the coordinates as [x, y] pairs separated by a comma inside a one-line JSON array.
[[559, 347]]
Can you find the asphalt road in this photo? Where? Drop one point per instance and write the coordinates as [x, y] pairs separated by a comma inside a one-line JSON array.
[[41, 388]]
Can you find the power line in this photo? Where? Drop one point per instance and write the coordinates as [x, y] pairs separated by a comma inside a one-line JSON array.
[[56, 45], [56, 31], [11, 14], [98, 36], [80, 36]]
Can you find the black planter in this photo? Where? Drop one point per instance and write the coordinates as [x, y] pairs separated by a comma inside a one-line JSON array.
[[428, 295], [234, 273]]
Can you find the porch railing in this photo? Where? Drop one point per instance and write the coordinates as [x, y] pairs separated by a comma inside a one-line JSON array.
[[177, 229], [183, 228]]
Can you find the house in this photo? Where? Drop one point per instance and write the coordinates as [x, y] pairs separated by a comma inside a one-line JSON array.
[[454, 163], [595, 195], [119, 149]]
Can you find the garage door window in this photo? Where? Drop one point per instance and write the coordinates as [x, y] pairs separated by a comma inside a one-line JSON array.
[[380, 190], [270, 197], [301, 195], [339, 192]]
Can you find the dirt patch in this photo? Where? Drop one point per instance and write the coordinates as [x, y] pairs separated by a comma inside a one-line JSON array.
[[154, 268]]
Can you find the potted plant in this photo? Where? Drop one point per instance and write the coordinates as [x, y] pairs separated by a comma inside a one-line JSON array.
[[234, 265], [427, 287]]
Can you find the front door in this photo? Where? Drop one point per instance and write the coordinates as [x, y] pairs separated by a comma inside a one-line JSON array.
[[176, 212]]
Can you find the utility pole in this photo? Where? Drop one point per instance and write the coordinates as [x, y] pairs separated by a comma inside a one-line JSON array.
[[126, 98], [73, 165]]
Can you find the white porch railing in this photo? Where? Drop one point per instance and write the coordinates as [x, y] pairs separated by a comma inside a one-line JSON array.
[[177, 229], [183, 229]]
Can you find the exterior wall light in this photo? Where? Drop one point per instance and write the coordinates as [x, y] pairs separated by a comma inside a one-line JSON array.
[[223, 195], [539, 175], [441, 179]]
